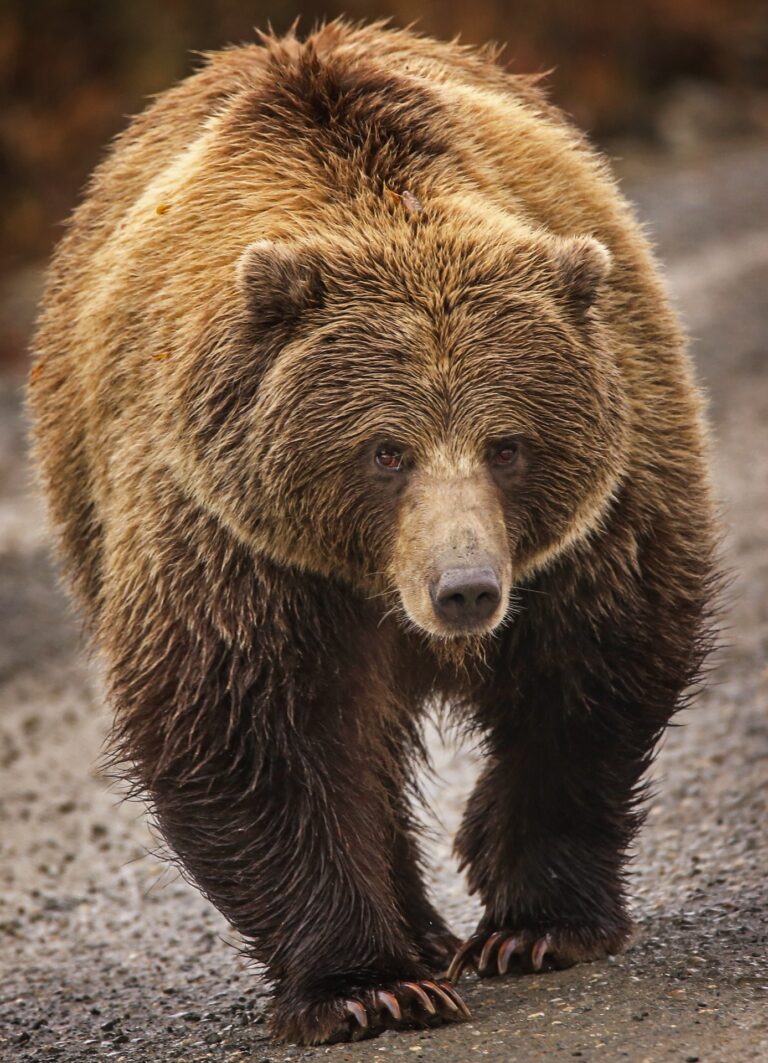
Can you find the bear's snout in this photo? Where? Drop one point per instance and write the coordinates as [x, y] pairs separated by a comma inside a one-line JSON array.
[[452, 563], [466, 596]]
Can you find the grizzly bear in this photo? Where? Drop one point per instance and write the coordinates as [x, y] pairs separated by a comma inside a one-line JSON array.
[[357, 392]]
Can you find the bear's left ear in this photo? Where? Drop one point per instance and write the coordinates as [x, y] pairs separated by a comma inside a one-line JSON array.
[[583, 264], [279, 281]]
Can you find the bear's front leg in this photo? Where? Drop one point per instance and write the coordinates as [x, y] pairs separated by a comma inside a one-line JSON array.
[[544, 839], [363, 953], [269, 766], [583, 685], [546, 831]]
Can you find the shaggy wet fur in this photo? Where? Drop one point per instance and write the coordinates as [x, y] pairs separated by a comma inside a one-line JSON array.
[[303, 250]]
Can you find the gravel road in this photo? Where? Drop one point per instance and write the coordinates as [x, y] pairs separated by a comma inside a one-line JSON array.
[[106, 954]]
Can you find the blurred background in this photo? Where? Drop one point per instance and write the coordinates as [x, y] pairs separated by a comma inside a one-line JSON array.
[[668, 74]]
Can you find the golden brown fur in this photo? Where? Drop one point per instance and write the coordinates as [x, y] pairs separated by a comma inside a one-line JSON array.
[[303, 251]]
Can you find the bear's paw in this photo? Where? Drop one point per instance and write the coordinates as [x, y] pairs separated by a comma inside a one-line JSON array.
[[368, 1012], [498, 952]]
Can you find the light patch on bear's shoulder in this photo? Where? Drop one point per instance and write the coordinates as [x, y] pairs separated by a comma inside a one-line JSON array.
[[544, 171], [175, 178], [487, 101], [142, 217]]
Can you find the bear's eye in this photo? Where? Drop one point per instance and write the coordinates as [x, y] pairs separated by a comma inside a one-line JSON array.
[[506, 453], [389, 458]]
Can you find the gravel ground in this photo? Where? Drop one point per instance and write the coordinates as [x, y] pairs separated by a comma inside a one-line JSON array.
[[106, 954]]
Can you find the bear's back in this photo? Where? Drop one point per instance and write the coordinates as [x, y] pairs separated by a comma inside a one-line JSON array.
[[258, 121]]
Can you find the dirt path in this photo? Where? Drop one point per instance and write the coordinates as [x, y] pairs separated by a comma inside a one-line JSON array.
[[105, 954]]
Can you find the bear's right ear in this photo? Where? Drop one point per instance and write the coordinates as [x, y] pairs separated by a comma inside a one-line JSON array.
[[279, 281], [582, 264]]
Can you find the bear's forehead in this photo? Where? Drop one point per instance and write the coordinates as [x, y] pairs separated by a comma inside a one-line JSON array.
[[409, 384], [445, 302], [442, 334]]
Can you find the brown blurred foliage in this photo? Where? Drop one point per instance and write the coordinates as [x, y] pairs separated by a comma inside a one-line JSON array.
[[71, 71]]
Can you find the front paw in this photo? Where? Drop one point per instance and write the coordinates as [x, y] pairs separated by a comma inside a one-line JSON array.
[[368, 1012], [522, 951]]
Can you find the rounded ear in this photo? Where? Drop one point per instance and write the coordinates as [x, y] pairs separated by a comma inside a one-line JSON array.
[[279, 281], [583, 264]]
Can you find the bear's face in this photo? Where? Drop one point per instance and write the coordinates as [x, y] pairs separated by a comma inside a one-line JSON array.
[[427, 419]]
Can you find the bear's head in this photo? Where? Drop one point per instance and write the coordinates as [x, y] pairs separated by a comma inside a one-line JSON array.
[[430, 416]]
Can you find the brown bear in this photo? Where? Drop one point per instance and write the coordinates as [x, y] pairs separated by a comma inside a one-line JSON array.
[[358, 392]]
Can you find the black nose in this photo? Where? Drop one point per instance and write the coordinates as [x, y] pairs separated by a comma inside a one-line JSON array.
[[466, 595]]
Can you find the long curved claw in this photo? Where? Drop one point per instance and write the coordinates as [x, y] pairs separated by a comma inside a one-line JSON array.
[[402, 1005], [451, 992], [488, 948], [539, 951], [358, 1012], [512, 945], [390, 1002], [422, 997], [461, 959], [442, 997]]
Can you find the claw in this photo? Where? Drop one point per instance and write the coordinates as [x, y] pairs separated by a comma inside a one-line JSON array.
[[390, 1002], [422, 997], [442, 996], [358, 1012], [510, 946], [488, 948], [456, 998], [539, 951], [461, 959]]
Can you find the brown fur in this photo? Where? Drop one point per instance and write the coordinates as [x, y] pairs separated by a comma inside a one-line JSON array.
[[243, 308]]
